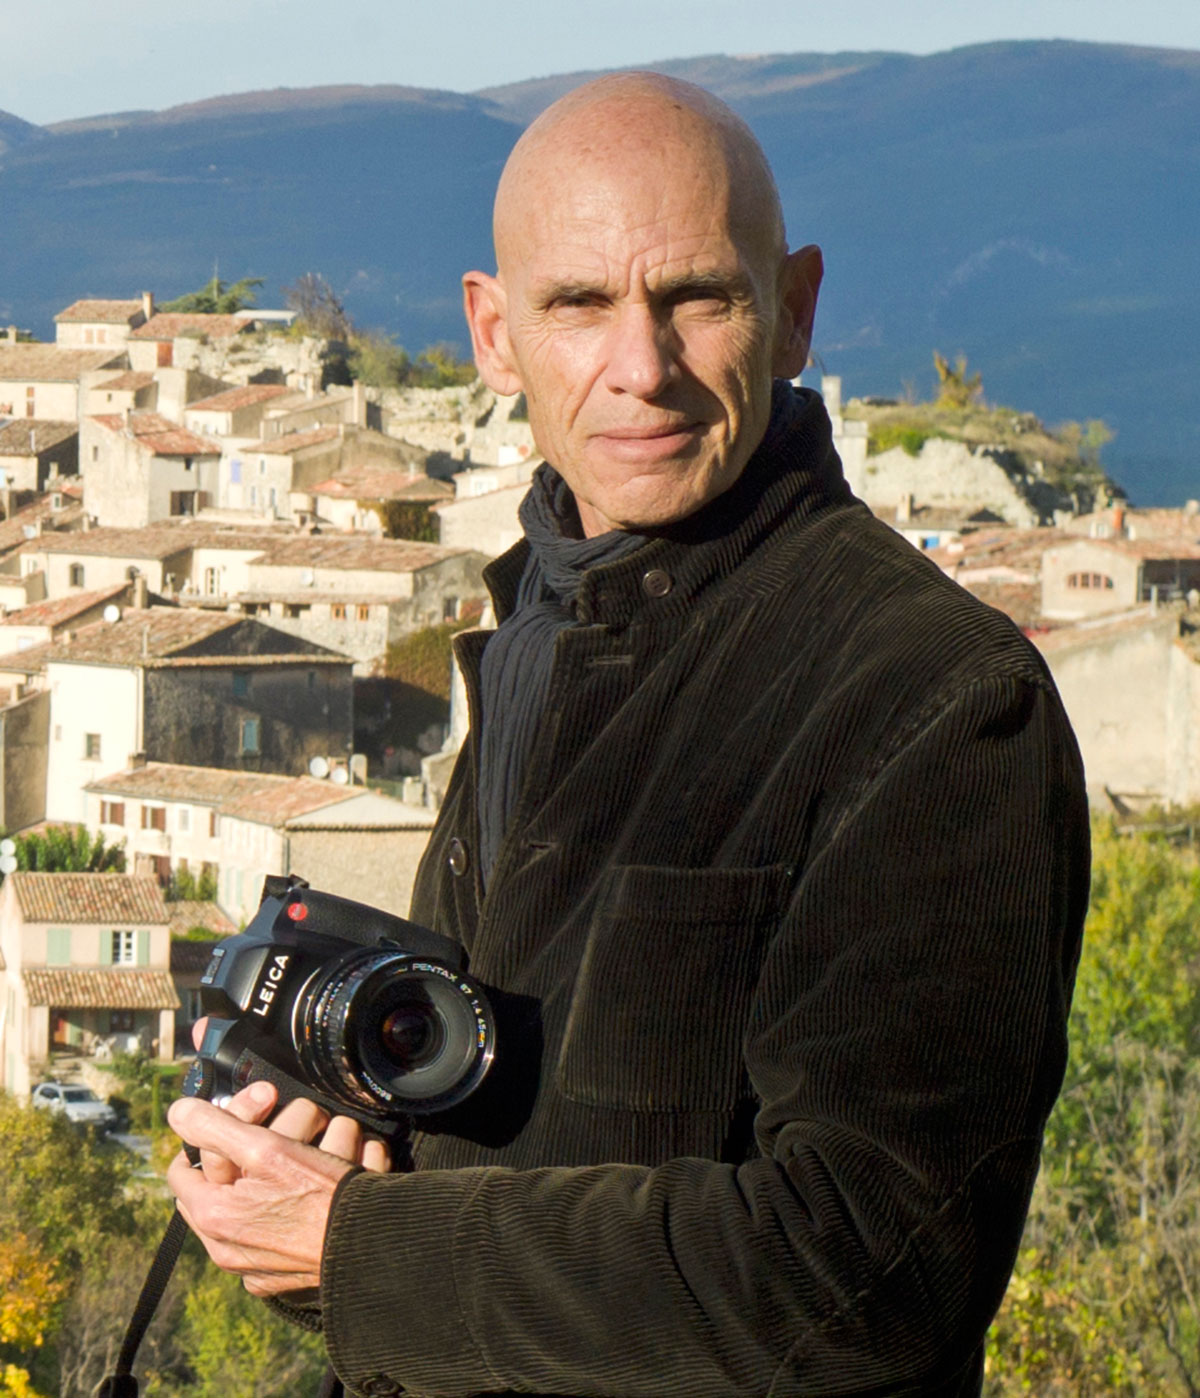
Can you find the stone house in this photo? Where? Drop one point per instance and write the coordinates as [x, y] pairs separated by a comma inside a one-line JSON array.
[[34, 452], [24, 743], [242, 826], [370, 497], [157, 343], [357, 593], [139, 468], [120, 393], [43, 381], [92, 323], [1091, 577], [85, 957], [234, 412], [260, 476], [487, 522], [188, 686]]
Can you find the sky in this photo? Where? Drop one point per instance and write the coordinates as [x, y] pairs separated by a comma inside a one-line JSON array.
[[74, 58]]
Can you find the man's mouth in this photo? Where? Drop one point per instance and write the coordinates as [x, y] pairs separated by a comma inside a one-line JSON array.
[[649, 441]]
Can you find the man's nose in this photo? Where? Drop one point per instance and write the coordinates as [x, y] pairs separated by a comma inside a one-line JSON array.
[[642, 352]]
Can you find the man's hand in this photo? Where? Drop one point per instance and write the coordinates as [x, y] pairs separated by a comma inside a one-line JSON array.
[[260, 1200]]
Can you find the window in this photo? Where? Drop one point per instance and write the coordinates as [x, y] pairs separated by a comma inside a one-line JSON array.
[[363, 612], [154, 817], [214, 824], [250, 736], [161, 864], [120, 1022], [235, 470], [75, 575], [337, 611], [95, 453], [29, 391], [272, 497], [253, 495], [112, 812], [183, 820], [91, 746], [1089, 580], [241, 684], [262, 466], [124, 949], [449, 608]]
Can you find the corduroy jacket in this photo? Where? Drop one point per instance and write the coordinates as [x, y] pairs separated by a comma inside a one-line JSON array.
[[781, 939]]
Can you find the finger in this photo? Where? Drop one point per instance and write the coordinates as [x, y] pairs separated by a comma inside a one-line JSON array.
[[198, 1032], [300, 1120], [215, 1129], [376, 1156], [343, 1139], [253, 1105]]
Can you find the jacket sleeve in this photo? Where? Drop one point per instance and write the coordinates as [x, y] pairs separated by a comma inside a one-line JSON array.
[[905, 1044]]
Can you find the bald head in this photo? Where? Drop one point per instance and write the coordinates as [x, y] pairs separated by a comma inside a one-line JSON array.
[[626, 120], [644, 296]]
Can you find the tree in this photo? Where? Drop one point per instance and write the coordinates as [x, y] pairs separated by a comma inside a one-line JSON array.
[[68, 849], [217, 297], [319, 309], [1105, 1299], [186, 887], [956, 390]]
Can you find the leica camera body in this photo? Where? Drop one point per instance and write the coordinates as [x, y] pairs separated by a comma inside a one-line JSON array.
[[369, 1015]]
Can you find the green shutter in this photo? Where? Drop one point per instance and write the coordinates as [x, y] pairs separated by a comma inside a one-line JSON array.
[[58, 946], [106, 957], [143, 946]]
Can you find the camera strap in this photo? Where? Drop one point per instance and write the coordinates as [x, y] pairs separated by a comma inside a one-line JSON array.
[[121, 1382]]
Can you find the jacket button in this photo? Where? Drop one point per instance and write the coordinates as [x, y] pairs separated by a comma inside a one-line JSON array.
[[657, 583], [458, 858], [379, 1386]]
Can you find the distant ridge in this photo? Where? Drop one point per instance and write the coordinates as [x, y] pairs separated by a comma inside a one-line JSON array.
[[1033, 205]]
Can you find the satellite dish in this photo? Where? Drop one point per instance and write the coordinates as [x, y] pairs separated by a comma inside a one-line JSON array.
[[8, 847], [340, 777], [112, 612], [308, 577], [319, 767], [8, 864]]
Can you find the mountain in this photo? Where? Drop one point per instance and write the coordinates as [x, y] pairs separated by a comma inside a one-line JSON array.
[[1033, 205]]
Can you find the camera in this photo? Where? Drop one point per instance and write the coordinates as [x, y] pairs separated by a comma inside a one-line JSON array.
[[369, 1015]]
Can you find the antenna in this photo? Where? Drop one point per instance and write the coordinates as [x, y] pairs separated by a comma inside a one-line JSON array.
[[319, 767]]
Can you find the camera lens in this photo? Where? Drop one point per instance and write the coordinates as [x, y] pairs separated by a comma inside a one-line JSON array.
[[412, 1036], [394, 1033]]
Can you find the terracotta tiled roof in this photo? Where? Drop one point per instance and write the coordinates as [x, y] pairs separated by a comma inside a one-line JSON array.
[[158, 434], [354, 551], [383, 483], [60, 609], [189, 913], [159, 540], [38, 363], [101, 898], [101, 312], [167, 325], [12, 531], [243, 397], [1164, 546], [15, 435], [116, 988], [293, 442], [255, 796], [1014, 550], [131, 380]]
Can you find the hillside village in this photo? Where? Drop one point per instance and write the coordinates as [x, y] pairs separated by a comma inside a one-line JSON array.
[[209, 558]]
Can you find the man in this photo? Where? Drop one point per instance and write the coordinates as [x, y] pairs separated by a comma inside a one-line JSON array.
[[769, 839]]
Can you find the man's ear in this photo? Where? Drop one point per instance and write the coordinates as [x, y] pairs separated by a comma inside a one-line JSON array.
[[800, 280], [486, 307]]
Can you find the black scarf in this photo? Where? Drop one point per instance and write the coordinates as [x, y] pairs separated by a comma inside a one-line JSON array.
[[514, 678]]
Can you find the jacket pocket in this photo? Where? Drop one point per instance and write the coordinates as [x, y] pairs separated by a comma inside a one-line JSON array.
[[664, 988]]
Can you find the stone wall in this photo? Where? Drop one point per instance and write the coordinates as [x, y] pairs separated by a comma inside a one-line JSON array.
[[371, 866], [948, 474], [24, 741]]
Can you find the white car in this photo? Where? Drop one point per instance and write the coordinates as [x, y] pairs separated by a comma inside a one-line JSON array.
[[76, 1102]]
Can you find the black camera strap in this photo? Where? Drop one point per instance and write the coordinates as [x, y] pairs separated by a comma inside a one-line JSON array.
[[121, 1382]]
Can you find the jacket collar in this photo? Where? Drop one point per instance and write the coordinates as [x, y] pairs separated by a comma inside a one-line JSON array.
[[793, 477]]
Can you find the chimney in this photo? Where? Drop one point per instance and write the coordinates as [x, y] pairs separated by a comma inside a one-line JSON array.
[[141, 593], [831, 391], [359, 403], [904, 508], [1118, 520], [147, 304], [137, 760]]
